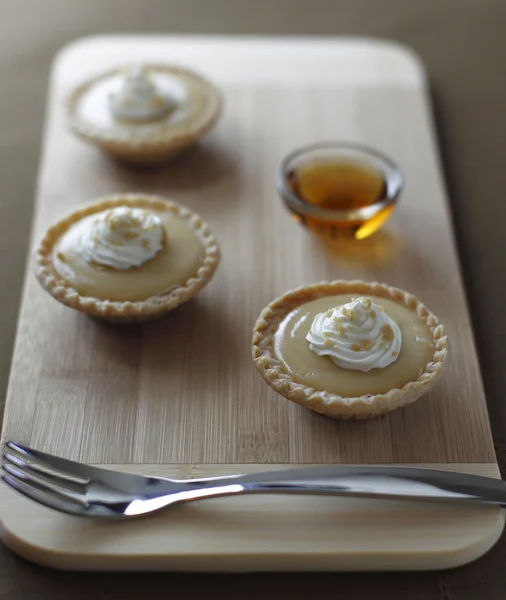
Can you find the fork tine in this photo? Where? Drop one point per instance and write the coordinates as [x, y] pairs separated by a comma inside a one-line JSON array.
[[71, 467], [36, 471], [43, 498], [43, 468], [82, 473], [43, 487]]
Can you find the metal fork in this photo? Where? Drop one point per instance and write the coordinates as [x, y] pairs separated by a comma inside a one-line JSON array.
[[80, 489]]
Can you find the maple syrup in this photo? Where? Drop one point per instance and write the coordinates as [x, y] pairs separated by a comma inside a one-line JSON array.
[[341, 194]]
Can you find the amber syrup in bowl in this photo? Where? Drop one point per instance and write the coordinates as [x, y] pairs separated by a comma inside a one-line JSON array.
[[339, 189]]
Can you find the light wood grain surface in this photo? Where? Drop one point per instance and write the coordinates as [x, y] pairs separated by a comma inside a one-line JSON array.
[[184, 390]]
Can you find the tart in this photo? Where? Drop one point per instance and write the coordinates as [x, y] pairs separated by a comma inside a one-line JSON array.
[[127, 257], [144, 114], [349, 349]]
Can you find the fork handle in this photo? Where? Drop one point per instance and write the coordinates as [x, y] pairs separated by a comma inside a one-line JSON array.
[[369, 481]]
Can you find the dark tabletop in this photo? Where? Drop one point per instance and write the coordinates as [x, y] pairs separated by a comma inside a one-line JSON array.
[[463, 45]]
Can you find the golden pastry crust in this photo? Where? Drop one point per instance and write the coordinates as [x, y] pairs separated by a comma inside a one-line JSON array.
[[157, 147], [132, 311], [333, 405]]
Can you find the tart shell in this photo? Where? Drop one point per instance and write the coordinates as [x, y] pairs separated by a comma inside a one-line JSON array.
[[133, 311], [333, 405]]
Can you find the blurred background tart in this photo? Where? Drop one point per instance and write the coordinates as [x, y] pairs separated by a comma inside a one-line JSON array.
[[144, 114]]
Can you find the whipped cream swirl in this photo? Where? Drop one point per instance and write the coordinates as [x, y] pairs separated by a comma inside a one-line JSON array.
[[139, 99], [358, 335], [121, 238]]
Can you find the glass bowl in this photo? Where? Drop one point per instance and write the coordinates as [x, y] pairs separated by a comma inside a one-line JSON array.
[[336, 188]]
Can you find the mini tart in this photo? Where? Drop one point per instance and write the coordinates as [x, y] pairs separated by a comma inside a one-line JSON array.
[[331, 404], [151, 307], [153, 142]]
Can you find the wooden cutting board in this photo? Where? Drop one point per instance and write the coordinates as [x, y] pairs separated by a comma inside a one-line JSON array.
[[181, 396]]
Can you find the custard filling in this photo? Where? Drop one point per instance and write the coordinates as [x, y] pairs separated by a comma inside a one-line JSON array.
[[179, 259], [323, 374], [190, 100]]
